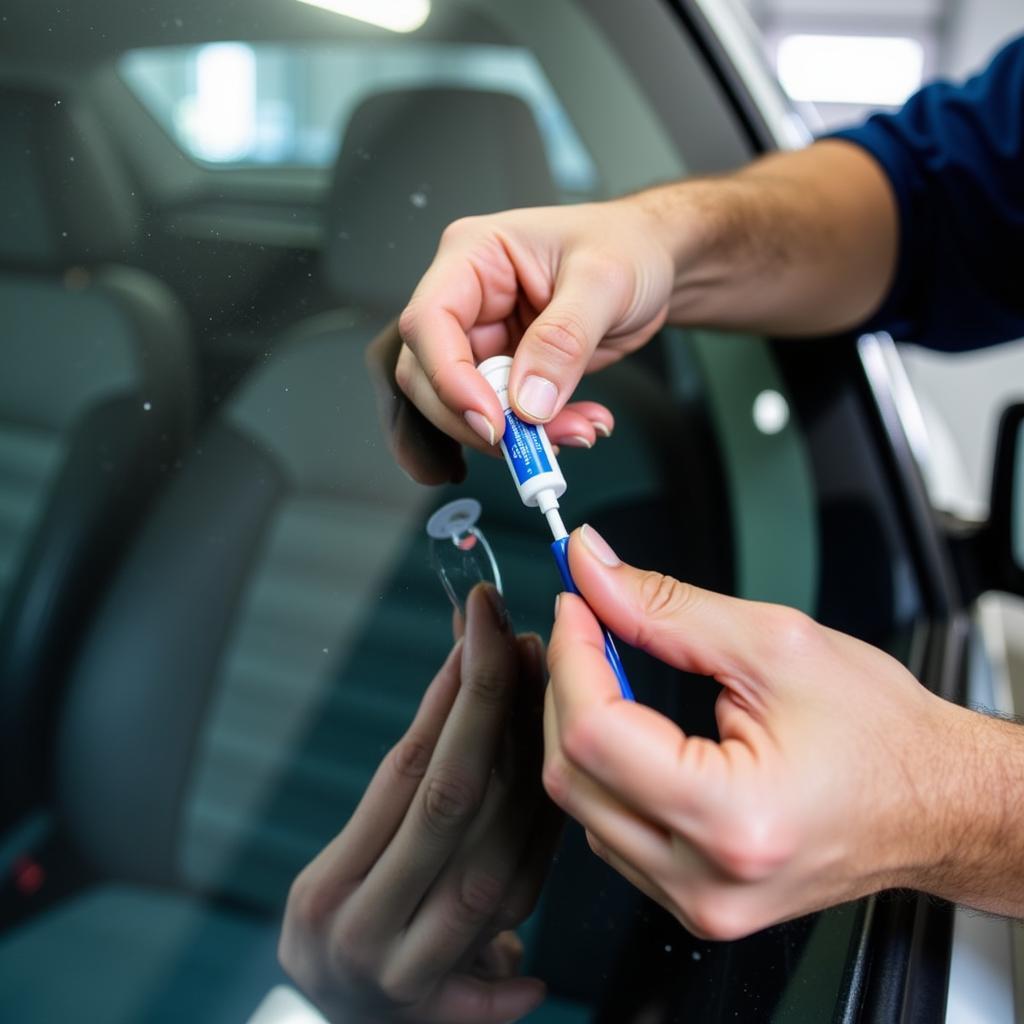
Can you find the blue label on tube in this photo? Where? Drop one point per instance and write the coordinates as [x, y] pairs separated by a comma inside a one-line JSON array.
[[525, 449]]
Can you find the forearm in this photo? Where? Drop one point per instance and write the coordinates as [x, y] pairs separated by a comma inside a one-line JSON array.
[[796, 243], [971, 848]]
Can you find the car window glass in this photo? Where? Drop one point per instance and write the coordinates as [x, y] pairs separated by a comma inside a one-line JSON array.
[[272, 618], [236, 103]]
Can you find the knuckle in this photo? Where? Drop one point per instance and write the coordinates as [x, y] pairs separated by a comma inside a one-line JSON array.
[[405, 372], [346, 952], [596, 846], [754, 848], [288, 955], [410, 758], [476, 899], [662, 597], [486, 685], [449, 801], [579, 740], [397, 988], [745, 865], [306, 909], [514, 911], [555, 779], [562, 337], [345, 939], [458, 229], [408, 322], [717, 917], [792, 632]]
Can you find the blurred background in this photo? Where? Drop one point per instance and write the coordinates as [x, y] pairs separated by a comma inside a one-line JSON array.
[[840, 62]]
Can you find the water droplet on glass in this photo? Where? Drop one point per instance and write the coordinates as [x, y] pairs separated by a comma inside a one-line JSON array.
[[668, 949], [695, 954], [418, 199], [147, 406]]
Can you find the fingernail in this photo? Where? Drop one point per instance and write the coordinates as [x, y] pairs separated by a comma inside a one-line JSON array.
[[537, 397], [535, 654], [577, 441], [497, 603], [602, 428], [598, 547], [480, 424], [558, 601]]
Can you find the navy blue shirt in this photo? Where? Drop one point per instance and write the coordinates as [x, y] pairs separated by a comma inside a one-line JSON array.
[[955, 157]]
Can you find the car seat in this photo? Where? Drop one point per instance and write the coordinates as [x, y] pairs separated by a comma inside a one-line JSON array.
[[96, 395]]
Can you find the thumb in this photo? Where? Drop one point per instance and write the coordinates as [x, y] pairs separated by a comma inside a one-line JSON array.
[[556, 348], [686, 627]]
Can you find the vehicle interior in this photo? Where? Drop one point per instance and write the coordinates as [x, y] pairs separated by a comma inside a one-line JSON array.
[[217, 610]]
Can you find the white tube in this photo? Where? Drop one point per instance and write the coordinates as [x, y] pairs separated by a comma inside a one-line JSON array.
[[527, 449]]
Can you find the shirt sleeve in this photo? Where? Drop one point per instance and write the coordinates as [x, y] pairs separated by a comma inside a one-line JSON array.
[[955, 157]]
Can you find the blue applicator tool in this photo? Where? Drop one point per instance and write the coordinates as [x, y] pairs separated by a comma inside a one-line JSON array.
[[540, 484]]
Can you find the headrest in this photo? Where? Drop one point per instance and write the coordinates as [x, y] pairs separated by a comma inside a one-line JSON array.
[[412, 161], [63, 196]]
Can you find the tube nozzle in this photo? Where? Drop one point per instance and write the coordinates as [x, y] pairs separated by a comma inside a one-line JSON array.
[[558, 530]]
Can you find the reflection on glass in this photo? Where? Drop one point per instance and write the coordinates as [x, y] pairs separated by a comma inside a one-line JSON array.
[[290, 98], [771, 411], [459, 552], [396, 15], [221, 116]]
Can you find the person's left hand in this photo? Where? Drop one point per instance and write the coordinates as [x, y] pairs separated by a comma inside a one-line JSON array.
[[407, 915], [832, 778]]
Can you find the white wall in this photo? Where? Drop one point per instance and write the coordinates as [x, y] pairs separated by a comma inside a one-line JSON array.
[[975, 29]]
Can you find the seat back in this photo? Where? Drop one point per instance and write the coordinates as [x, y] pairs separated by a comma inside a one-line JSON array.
[[95, 404], [411, 161]]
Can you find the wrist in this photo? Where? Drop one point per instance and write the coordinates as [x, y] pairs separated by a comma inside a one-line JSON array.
[[685, 222], [703, 227], [966, 839]]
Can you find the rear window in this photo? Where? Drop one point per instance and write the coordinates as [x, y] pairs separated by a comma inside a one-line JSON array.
[[235, 103]]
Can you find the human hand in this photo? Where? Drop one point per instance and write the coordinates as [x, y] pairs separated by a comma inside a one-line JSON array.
[[427, 453], [827, 782], [407, 914], [565, 290]]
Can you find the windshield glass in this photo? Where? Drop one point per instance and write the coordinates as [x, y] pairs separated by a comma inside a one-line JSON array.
[[216, 584]]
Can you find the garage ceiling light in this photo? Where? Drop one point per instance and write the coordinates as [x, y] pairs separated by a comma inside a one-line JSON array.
[[396, 15], [870, 70]]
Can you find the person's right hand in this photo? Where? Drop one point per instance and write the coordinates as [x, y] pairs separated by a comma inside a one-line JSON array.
[[564, 290]]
